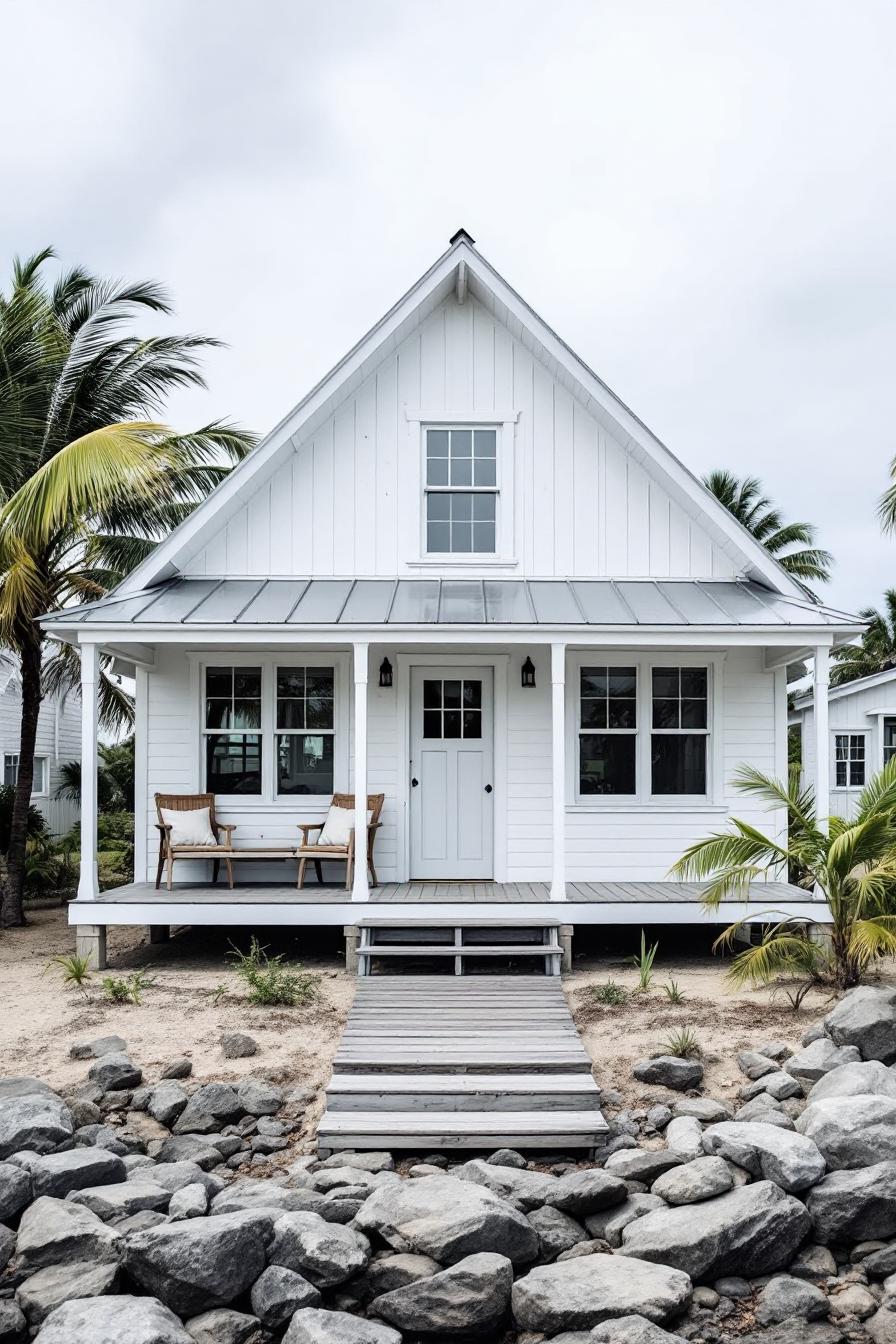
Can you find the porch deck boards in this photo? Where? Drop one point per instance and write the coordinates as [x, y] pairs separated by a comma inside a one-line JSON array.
[[409, 893], [429, 1061]]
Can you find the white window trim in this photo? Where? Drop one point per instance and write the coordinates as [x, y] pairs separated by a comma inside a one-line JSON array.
[[643, 800], [851, 732], [268, 799], [504, 424], [38, 756]]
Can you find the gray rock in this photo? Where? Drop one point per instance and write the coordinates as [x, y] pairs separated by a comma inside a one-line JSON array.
[[527, 1189], [814, 1263], [336, 1178], [658, 1117], [178, 1068], [120, 1201], [670, 1071], [629, 1330], [191, 1201], [58, 1232], [37, 1121], [165, 1102], [25, 1087], [223, 1326], [448, 1219], [13, 1326], [752, 1230], [238, 1045], [103, 1045], [115, 1072], [57, 1173], [470, 1297], [819, 1058], [278, 1292], [366, 1161], [708, 1110], [584, 1192], [866, 1018], [852, 1205], [852, 1131], [557, 1232], [209, 1109], [507, 1157], [881, 1327], [790, 1160], [325, 1253], [189, 1148], [868, 1078], [15, 1190], [704, 1178], [684, 1136], [608, 1225], [113, 1320], [7, 1246], [853, 1302], [641, 1164], [784, 1298], [311, 1325], [258, 1097], [882, 1263], [796, 1332], [46, 1290], [252, 1194], [173, 1176], [202, 1263], [755, 1065], [781, 1086], [395, 1271], [579, 1294]]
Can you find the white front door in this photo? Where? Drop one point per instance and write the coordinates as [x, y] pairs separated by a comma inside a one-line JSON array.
[[452, 797]]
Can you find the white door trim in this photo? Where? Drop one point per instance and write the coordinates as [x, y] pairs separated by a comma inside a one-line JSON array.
[[500, 663]]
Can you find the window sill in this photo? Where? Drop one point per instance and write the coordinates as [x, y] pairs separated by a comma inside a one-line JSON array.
[[449, 561], [635, 805], [313, 802]]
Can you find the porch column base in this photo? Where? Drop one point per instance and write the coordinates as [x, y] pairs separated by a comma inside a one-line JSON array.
[[565, 933], [159, 933], [351, 948], [90, 942]]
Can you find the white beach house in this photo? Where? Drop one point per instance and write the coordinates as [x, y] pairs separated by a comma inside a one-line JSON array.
[[860, 736]]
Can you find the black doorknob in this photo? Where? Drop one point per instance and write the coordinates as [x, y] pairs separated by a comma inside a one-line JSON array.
[[414, 783], [488, 788]]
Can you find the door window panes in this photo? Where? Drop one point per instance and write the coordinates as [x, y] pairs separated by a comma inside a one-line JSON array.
[[452, 708]]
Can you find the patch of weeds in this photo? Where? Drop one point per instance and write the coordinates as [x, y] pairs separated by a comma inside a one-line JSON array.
[[683, 1043], [272, 981], [75, 970], [644, 964], [217, 994], [610, 993], [126, 988], [674, 992]]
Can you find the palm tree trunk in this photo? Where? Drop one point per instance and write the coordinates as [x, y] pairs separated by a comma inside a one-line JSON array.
[[12, 898]]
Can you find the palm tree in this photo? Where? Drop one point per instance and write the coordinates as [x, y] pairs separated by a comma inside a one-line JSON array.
[[852, 862], [90, 479], [877, 650], [745, 500]]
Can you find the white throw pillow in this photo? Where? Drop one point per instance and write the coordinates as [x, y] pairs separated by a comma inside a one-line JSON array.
[[339, 825], [189, 828]]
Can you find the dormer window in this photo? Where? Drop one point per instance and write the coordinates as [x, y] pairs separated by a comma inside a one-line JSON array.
[[461, 491]]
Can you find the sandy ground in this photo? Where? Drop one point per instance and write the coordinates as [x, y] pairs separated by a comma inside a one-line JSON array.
[[185, 1010]]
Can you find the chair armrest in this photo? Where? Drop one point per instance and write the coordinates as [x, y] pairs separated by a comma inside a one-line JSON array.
[[306, 826], [164, 827], [228, 827], [374, 825]]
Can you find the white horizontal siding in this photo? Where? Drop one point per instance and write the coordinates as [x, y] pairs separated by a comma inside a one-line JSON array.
[[347, 502], [860, 711], [57, 747]]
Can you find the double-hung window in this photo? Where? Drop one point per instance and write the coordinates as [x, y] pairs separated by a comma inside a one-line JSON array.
[[679, 729], [305, 730], [849, 760], [461, 491], [39, 784], [232, 730], [889, 731], [608, 721]]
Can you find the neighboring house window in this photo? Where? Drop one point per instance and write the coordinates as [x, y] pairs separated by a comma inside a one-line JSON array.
[[849, 760], [305, 730], [608, 721], [232, 730], [889, 739], [680, 726], [11, 772], [461, 491]]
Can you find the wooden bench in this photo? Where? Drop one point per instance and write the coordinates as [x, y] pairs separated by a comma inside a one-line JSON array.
[[221, 852]]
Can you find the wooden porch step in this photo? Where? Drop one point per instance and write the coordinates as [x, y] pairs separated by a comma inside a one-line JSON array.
[[446, 1092], [463, 1129], [463, 949]]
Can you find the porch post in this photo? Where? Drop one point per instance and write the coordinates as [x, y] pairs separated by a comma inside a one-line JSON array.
[[360, 884], [88, 883], [558, 772], [820, 681]]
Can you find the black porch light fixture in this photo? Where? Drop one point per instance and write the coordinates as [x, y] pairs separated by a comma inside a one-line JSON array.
[[527, 674], [385, 673]]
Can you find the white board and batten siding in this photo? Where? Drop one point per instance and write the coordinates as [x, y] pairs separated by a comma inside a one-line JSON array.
[[347, 500]]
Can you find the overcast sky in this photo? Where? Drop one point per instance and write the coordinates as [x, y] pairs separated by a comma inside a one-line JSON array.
[[699, 197]]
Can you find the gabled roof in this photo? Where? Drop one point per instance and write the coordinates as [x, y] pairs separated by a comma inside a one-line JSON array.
[[463, 265], [887, 678]]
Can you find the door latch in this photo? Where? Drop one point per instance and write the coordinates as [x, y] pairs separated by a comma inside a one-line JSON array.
[[414, 783], [488, 788]]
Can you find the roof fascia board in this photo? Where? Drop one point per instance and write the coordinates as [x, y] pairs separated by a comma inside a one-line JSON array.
[[805, 698]]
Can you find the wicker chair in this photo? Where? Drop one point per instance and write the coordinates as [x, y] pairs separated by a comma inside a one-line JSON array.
[[189, 802], [316, 853]]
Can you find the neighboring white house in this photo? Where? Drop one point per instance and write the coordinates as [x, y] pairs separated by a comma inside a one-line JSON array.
[[861, 735], [58, 741], [461, 572]]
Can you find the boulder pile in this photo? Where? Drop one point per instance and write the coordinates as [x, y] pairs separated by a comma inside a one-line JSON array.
[[175, 1213]]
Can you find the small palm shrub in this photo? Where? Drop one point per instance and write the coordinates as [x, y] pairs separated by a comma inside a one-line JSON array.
[[673, 991], [126, 989], [644, 963], [682, 1043], [75, 970], [852, 862], [610, 993], [272, 981]]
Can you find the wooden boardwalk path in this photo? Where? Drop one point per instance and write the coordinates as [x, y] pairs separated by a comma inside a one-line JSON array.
[[428, 1062]]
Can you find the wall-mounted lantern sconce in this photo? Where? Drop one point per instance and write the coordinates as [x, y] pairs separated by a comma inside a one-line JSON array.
[[385, 673], [527, 675]]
